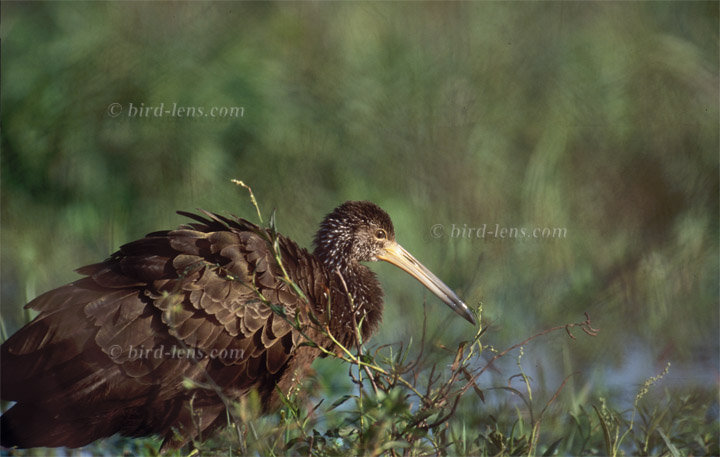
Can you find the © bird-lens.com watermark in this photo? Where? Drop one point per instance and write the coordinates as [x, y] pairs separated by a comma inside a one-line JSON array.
[[497, 231], [132, 353], [173, 110]]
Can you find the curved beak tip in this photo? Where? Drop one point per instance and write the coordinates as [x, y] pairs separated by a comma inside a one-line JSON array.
[[463, 310], [470, 317]]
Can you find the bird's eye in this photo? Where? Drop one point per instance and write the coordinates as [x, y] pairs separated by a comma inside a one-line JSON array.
[[380, 234]]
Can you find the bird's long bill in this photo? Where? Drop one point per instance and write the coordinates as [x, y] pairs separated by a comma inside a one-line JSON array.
[[398, 256]]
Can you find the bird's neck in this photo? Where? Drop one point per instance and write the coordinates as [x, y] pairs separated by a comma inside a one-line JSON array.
[[362, 285]]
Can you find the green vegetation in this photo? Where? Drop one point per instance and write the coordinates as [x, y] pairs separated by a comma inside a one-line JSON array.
[[599, 118]]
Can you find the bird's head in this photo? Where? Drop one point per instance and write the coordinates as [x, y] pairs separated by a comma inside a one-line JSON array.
[[360, 231]]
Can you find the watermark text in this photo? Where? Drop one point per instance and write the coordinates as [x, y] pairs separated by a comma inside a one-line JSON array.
[[496, 231], [172, 110], [132, 353]]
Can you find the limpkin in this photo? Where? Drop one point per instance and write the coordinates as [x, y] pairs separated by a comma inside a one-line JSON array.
[[109, 352]]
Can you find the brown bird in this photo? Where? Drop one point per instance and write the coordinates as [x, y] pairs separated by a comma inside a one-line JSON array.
[[208, 302]]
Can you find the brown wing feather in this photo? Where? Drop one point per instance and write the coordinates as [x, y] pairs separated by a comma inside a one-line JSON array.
[[175, 304]]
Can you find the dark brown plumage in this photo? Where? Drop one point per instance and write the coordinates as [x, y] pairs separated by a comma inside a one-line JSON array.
[[109, 352]]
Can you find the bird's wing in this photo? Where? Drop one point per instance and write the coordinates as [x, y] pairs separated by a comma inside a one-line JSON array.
[[189, 303]]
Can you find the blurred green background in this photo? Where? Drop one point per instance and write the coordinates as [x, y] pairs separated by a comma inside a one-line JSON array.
[[600, 118]]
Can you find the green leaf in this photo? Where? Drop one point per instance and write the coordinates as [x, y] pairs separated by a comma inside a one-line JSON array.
[[551, 449], [313, 318], [424, 414], [671, 447], [271, 223], [606, 432], [394, 445], [366, 358], [340, 401]]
